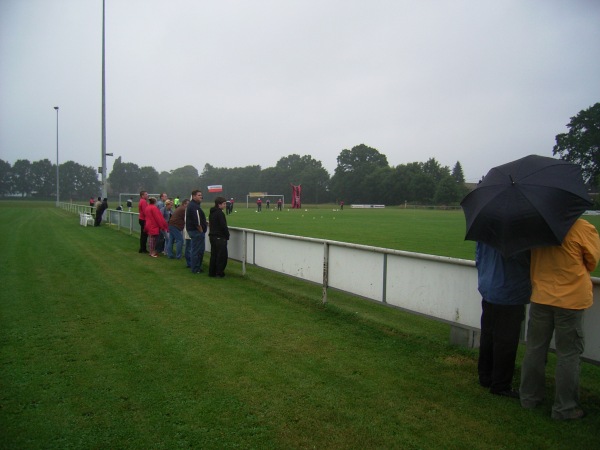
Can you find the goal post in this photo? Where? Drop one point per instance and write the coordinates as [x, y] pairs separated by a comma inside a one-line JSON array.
[[263, 196], [135, 199]]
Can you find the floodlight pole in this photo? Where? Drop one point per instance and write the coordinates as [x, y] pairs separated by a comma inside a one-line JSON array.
[[57, 185], [103, 169]]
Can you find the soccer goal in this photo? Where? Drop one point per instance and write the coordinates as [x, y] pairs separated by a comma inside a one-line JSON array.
[[135, 199], [253, 197]]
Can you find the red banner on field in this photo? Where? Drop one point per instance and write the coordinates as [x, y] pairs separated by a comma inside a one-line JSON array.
[[215, 188]]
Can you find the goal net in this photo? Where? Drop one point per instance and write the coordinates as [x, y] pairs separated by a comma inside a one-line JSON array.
[[272, 199]]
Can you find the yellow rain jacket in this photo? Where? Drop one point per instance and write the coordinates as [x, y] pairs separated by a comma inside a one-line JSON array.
[[560, 275]]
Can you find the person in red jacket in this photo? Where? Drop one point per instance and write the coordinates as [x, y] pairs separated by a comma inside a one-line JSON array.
[[142, 205], [155, 223]]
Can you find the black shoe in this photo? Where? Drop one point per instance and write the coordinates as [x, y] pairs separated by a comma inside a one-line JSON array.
[[510, 393]]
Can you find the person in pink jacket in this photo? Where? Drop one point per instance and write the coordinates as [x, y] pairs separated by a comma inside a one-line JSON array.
[[155, 223]]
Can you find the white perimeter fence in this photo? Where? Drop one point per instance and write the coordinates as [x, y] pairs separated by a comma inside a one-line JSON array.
[[438, 287]]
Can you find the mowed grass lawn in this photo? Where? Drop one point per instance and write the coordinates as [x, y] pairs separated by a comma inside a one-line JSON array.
[[101, 347]]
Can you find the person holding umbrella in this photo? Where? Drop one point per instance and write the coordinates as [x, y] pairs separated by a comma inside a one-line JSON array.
[[535, 203], [562, 291], [505, 287]]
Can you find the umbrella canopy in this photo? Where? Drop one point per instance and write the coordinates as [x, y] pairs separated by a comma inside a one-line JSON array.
[[527, 203]]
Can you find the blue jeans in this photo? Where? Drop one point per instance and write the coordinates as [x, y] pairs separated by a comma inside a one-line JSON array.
[[175, 237], [567, 325], [198, 246]]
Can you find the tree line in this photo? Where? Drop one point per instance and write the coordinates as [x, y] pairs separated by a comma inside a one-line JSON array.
[[362, 175], [38, 180]]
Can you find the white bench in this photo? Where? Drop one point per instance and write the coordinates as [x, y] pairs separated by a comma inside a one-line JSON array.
[[86, 219]]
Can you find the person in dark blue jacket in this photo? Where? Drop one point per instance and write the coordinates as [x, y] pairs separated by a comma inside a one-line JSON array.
[[196, 226], [505, 287]]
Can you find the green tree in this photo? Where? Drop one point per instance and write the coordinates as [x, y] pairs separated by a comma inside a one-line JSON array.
[[163, 181], [21, 177], [5, 177], [436, 171], [43, 178], [182, 181], [457, 173], [353, 167], [125, 178], [77, 181], [421, 188], [376, 187], [298, 170], [149, 180], [236, 182], [581, 145], [447, 191]]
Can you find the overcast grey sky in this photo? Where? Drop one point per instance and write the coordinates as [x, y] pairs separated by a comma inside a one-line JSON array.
[[240, 82]]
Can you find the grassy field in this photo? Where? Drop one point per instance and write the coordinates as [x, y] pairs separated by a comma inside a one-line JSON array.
[[401, 229], [101, 347]]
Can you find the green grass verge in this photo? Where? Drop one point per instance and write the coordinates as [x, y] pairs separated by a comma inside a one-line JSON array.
[[101, 347]]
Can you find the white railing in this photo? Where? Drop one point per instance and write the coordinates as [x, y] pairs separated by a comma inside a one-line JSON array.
[[441, 288]]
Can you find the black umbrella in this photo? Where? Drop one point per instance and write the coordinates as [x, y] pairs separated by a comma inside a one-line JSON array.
[[530, 202]]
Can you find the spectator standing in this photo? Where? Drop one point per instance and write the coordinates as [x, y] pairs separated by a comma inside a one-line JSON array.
[[176, 225], [168, 211], [176, 202], [161, 204], [142, 205], [218, 235], [505, 288], [259, 204], [155, 223], [561, 292], [100, 211], [196, 226], [227, 207], [92, 203]]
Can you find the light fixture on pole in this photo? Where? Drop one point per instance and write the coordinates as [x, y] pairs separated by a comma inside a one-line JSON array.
[[57, 186]]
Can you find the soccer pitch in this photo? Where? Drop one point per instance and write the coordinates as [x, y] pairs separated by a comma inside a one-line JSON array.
[[435, 232]]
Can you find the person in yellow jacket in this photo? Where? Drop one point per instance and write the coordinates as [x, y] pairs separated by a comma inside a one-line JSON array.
[[561, 292]]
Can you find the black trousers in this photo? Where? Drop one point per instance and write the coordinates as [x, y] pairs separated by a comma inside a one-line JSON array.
[[500, 331], [143, 236], [218, 257]]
